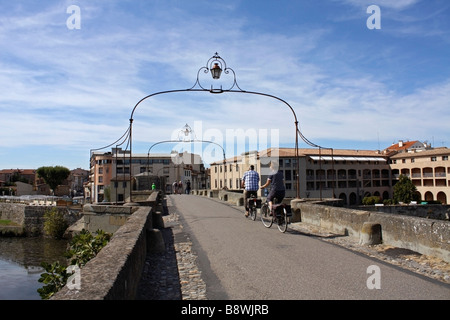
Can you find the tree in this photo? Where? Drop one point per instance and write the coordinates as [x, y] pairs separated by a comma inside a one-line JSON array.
[[53, 176], [404, 190]]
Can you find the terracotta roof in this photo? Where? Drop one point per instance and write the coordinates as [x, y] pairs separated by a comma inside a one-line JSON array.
[[405, 146], [22, 171], [303, 152], [425, 153]]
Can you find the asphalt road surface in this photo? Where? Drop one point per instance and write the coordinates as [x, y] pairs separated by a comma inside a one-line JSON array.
[[240, 259]]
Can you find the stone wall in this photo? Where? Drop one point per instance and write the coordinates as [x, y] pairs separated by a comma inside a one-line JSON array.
[[31, 218], [432, 211], [426, 236], [115, 272]]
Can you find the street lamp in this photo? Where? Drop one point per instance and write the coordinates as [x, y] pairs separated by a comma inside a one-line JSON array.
[[216, 71]]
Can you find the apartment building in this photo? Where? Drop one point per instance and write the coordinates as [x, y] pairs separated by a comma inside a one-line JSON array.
[[429, 170], [120, 172], [349, 175]]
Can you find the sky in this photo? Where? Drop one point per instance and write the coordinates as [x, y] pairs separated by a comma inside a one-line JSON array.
[[73, 73]]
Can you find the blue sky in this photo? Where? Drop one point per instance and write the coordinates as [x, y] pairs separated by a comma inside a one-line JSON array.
[[65, 91]]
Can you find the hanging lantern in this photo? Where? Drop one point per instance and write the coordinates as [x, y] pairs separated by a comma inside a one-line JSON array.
[[216, 71]]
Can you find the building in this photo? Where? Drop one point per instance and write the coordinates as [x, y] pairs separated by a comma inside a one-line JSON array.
[[117, 173], [349, 175], [76, 180], [427, 170]]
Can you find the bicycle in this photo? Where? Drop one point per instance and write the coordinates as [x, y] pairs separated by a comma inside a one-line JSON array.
[[281, 214], [253, 204]]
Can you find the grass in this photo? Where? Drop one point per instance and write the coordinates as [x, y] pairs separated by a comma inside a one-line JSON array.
[[7, 223]]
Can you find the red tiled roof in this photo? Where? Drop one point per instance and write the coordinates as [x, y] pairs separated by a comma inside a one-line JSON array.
[[405, 146]]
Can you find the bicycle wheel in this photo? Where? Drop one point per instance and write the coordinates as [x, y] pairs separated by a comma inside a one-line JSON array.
[[252, 212], [282, 221], [266, 218]]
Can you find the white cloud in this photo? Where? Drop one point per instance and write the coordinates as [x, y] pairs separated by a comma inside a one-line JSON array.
[[78, 88], [392, 4]]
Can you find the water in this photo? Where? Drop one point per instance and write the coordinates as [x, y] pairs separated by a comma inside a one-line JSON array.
[[20, 265]]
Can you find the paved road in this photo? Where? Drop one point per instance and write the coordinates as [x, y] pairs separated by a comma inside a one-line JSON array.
[[241, 259]]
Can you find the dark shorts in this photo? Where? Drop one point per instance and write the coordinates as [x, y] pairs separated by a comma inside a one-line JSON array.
[[279, 194], [247, 194]]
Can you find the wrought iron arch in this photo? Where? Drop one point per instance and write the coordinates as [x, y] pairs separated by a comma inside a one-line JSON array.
[[216, 65]]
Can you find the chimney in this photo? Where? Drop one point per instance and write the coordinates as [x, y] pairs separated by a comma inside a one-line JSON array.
[[400, 143]]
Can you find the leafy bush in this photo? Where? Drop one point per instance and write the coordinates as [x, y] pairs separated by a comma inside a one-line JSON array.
[[370, 201], [83, 247], [54, 279], [55, 224]]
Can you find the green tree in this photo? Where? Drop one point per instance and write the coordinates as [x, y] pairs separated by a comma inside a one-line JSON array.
[[53, 176], [404, 190]]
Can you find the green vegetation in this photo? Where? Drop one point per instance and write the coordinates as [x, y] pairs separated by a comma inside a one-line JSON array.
[[404, 190], [83, 247], [53, 176], [55, 224], [372, 200]]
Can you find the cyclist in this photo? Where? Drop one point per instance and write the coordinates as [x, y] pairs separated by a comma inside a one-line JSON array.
[[250, 183], [276, 180]]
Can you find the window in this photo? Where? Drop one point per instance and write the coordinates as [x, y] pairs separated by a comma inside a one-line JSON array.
[[433, 159], [444, 158], [287, 175]]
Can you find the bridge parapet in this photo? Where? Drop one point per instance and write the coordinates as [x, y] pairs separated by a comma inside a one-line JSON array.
[[115, 272], [426, 236]]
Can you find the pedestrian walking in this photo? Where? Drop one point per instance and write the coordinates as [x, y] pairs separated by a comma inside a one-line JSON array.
[[180, 187], [188, 187], [174, 187]]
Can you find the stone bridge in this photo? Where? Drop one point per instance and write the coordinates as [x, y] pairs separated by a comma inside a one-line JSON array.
[[116, 271]]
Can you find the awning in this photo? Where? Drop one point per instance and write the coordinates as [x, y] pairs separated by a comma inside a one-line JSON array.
[[340, 158]]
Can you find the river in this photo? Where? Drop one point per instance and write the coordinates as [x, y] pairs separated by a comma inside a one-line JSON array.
[[20, 265]]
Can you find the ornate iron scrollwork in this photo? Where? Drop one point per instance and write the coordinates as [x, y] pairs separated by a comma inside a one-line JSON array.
[[216, 65]]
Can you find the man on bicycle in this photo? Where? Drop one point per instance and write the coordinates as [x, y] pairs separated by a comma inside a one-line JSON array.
[[276, 180], [250, 183]]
